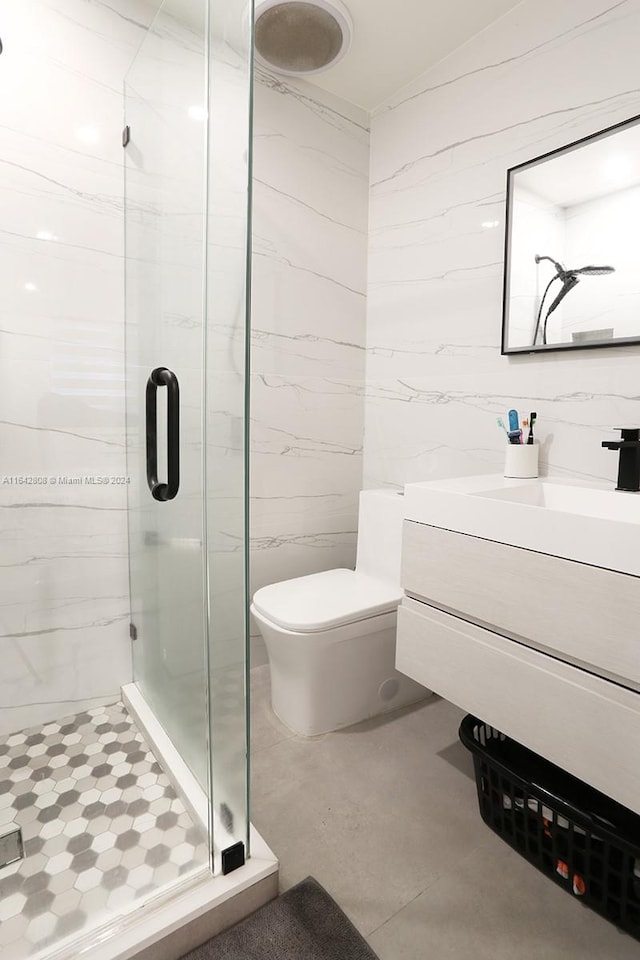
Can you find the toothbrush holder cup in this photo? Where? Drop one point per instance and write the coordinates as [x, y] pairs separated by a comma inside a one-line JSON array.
[[521, 461]]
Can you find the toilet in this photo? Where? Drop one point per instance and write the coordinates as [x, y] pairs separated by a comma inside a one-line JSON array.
[[331, 637]]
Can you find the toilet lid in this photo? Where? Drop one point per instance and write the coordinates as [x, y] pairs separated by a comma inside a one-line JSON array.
[[325, 600]]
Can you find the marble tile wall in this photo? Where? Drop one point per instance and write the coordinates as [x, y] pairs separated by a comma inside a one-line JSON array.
[[310, 195], [435, 380], [542, 76], [64, 598]]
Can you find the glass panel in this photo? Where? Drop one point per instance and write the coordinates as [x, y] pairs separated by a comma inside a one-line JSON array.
[[226, 362], [165, 106], [188, 172]]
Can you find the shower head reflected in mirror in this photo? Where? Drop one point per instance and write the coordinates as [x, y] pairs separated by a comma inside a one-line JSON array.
[[588, 270], [591, 271], [570, 279]]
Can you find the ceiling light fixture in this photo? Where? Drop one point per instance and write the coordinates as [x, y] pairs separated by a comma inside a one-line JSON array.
[[301, 37]]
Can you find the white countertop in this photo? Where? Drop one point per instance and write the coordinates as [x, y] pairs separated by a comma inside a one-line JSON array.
[[587, 522]]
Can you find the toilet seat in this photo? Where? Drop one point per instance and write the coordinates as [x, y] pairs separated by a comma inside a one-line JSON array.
[[326, 600]]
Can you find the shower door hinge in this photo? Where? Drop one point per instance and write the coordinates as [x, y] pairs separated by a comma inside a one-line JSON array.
[[133, 631], [233, 857], [126, 135]]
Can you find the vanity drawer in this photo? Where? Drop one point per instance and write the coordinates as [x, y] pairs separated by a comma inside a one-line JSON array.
[[585, 614], [585, 724]]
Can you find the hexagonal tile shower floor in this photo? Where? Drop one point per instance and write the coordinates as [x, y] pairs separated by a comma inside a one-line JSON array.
[[103, 828]]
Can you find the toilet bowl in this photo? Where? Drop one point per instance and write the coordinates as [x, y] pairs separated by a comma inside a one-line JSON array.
[[331, 636]]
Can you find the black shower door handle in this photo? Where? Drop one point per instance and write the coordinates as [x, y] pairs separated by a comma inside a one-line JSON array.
[[163, 377]]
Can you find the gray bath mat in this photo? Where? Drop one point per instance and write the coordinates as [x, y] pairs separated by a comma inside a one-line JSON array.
[[302, 924]]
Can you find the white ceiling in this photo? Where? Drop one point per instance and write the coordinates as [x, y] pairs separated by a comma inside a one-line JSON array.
[[591, 170], [395, 41]]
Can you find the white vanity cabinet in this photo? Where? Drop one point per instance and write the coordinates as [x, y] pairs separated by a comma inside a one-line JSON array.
[[543, 648]]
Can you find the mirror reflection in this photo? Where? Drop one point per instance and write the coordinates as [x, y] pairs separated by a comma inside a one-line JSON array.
[[572, 271]]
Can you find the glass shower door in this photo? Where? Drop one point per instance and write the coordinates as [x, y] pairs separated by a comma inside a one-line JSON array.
[[187, 107], [165, 169]]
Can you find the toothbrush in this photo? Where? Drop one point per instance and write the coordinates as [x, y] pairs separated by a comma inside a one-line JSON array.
[[500, 423], [532, 419], [515, 433]]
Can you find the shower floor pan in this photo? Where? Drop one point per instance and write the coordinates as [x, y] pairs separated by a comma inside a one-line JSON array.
[[115, 862]]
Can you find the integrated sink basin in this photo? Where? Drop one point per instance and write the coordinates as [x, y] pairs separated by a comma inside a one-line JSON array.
[[578, 521], [587, 501]]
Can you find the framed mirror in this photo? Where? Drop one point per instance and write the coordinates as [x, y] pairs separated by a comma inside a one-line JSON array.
[[572, 246]]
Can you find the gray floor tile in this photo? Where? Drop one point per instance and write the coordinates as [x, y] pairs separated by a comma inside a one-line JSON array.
[[347, 807], [496, 906], [385, 815], [266, 729]]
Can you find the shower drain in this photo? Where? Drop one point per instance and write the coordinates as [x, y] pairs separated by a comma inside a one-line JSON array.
[[11, 848]]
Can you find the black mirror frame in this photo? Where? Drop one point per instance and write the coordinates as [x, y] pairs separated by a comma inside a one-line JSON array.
[[511, 171]]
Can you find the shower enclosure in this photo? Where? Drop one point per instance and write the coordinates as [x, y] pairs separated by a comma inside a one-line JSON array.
[[123, 721], [186, 183]]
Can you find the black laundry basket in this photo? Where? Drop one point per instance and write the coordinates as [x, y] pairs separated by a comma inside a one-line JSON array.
[[585, 841]]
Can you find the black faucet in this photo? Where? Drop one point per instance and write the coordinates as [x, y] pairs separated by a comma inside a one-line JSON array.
[[629, 464]]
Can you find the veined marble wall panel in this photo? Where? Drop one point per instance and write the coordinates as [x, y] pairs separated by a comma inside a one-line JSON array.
[[311, 158], [306, 450], [64, 601], [440, 149]]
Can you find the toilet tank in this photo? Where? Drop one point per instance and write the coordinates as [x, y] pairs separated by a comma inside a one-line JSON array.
[[380, 518]]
